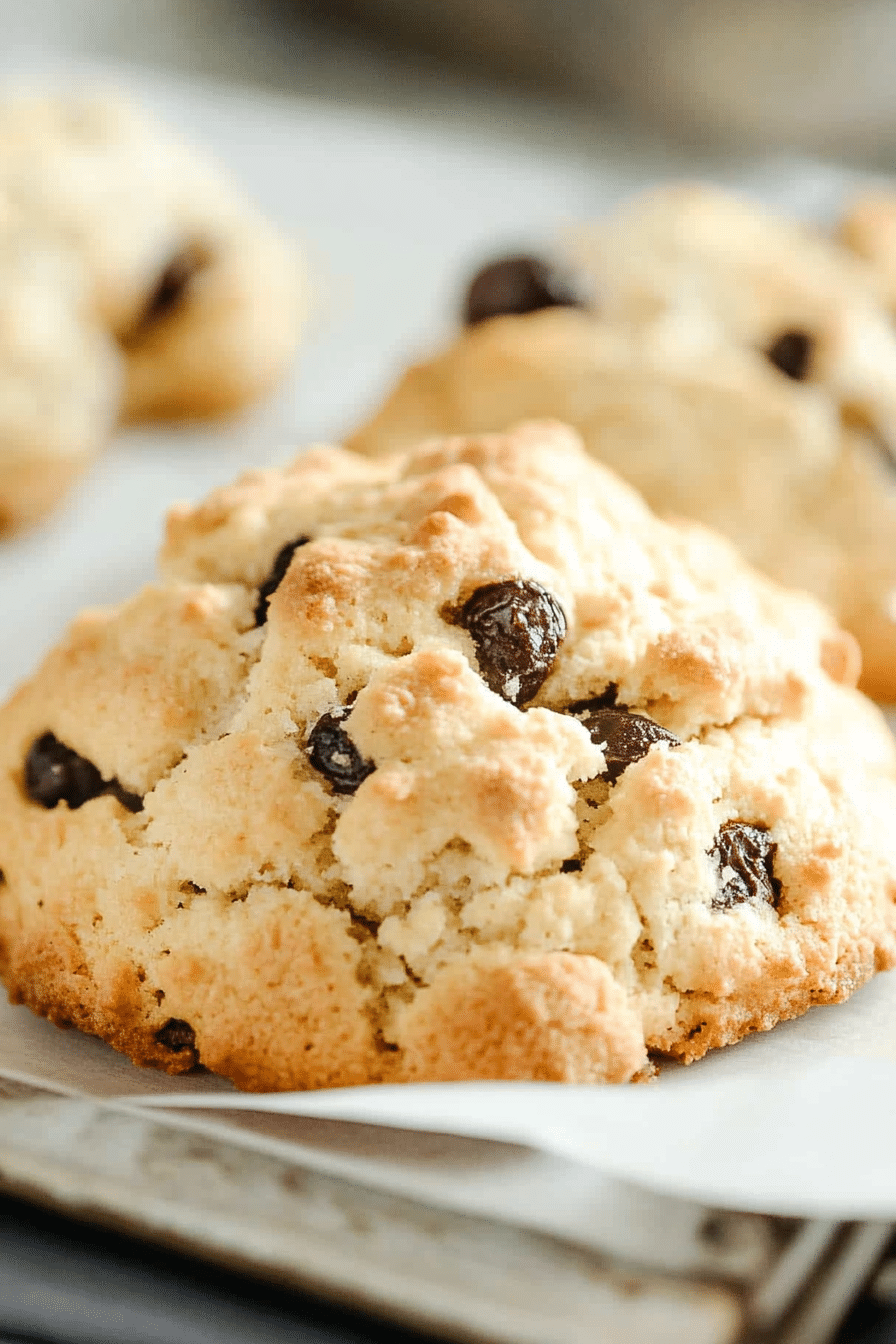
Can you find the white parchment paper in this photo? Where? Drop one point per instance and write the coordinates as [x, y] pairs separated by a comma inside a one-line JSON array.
[[798, 1121], [395, 207]]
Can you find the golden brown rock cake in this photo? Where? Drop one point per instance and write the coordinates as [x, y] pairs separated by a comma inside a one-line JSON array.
[[448, 765]]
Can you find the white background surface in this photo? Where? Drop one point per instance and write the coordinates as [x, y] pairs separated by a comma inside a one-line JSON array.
[[396, 198]]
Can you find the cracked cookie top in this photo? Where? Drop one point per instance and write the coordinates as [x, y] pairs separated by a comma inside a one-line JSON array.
[[452, 764]]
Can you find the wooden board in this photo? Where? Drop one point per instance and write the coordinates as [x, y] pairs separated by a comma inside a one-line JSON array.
[[158, 1177]]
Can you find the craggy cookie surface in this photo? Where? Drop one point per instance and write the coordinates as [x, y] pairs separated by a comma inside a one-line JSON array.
[[458, 764], [735, 368], [137, 283]]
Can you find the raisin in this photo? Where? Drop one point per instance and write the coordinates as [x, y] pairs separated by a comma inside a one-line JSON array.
[[132, 801], [275, 578], [171, 287], [517, 627], [743, 856], [605, 700], [55, 774], [176, 1035], [513, 286], [792, 354], [625, 737], [332, 752]]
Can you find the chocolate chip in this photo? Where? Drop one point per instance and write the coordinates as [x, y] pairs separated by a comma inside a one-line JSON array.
[[334, 754], [571, 866], [517, 285], [176, 1036], [625, 738], [743, 856], [171, 287], [275, 578], [792, 354], [517, 627]]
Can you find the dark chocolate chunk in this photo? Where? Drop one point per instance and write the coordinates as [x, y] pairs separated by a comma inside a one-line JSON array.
[[275, 578], [743, 856], [625, 738], [171, 287], [334, 754], [517, 627], [571, 866], [176, 1036], [55, 774], [517, 285], [792, 354]]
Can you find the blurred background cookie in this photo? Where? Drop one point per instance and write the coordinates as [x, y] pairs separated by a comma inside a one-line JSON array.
[[60, 377], [150, 288], [780, 291], [869, 228]]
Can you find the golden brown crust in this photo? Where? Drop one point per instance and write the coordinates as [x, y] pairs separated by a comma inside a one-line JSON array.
[[700, 1028], [552, 1019]]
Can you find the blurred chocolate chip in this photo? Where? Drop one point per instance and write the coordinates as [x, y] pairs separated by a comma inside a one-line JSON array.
[[625, 738], [571, 866], [176, 1036], [744, 856], [792, 354], [517, 627], [275, 578], [517, 285], [332, 752], [171, 287], [55, 774]]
